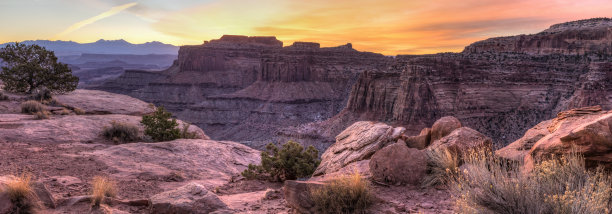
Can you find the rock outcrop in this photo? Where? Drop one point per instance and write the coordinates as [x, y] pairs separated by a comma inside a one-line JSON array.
[[100, 102], [443, 127], [358, 142], [587, 131], [191, 198], [500, 87], [463, 140], [398, 165], [213, 163], [66, 129], [246, 88]]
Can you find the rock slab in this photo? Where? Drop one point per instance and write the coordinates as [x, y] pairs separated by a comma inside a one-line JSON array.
[[192, 198]]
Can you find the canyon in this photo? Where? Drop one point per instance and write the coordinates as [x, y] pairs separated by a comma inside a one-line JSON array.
[[254, 91]]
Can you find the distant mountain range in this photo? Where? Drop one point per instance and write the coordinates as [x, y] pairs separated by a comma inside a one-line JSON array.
[[68, 48]]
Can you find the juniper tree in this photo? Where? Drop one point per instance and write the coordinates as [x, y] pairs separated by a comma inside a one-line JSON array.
[[28, 67]]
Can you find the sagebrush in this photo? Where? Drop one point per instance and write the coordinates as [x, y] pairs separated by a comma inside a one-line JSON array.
[[288, 163], [344, 194], [121, 132], [440, 164], [558, 185]]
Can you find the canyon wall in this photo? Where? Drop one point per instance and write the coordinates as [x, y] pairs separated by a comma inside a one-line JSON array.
[[500, 86], [245, 88], [254, 90]]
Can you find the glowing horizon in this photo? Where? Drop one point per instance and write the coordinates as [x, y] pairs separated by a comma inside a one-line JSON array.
[[383, 26]]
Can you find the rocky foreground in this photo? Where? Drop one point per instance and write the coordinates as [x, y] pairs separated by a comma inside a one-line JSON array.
[[63, 154]]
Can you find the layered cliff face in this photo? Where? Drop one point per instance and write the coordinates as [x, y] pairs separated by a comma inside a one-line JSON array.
[[577, 37], [246, 88], [498, 87], [253, 90]]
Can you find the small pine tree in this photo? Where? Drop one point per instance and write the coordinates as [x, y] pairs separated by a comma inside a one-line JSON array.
[[161, 126], [28, 67], [289, 163]]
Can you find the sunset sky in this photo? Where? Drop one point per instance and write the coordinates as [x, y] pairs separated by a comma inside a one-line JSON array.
[[385, 26]]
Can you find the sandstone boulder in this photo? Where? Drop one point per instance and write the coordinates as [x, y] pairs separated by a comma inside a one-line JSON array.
[[192, 198], [463, 140], [444, 126], [297, 195], [100, 102], [357, 142], [517, 150], [398, 165], [65, 129], [586, 130], [420, 141], [362, 167], [212, 163]]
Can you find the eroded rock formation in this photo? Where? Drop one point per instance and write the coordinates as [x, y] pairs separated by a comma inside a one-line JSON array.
[[585, 130], [253, 90], [500, 87], [246, 88]]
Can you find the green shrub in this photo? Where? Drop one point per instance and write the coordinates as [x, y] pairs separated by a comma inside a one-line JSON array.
[[440, 163], [345, 194], [161, 126], [289, 163], [121, 132], [31, 107], [558, 185]]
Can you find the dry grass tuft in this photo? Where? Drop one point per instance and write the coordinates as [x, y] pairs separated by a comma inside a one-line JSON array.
[[79, 111], [31, 107], [345, 194], [102, 188], [42, 115], [440, 164], [22, 194], [121, 132], [64, 111], [558, 185]]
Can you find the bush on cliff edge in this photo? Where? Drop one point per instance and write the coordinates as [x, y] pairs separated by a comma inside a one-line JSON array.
[[161, 126], [288, 163]]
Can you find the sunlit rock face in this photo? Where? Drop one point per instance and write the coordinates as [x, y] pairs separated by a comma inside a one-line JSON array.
[[245, 88], [253, 90], [500, 86]]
